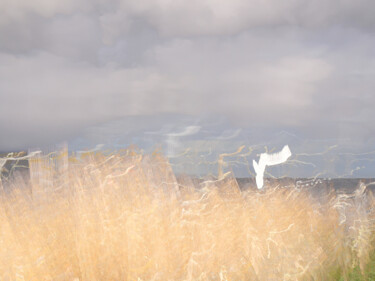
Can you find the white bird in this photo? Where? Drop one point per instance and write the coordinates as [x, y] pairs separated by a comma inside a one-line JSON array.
[[266, 159]]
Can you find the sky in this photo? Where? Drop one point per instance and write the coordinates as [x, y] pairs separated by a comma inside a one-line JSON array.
[[72, 69]]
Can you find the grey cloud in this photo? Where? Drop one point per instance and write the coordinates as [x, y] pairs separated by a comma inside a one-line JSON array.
[[223, 17], [205, 17], [46, 94], [298, 64]]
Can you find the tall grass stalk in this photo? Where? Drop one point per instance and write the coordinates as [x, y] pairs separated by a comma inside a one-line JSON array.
[[124, 217]]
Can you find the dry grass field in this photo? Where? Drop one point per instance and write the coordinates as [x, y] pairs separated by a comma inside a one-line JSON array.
[[124, 217]]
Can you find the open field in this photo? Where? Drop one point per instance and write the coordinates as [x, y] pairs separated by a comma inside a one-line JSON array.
[[126, 217]]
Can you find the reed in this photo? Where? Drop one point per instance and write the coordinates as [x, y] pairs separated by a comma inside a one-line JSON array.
[[125, 217]]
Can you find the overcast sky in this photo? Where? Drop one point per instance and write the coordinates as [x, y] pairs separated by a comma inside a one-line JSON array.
[[304, 65]]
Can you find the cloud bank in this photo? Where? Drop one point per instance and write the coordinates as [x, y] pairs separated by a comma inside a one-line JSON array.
[[66, 65]]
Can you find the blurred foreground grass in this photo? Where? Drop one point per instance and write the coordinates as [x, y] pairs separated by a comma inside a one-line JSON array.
[[355, 273], [125, 217]]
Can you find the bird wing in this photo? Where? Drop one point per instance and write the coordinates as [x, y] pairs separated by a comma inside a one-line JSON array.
[[275, 158]]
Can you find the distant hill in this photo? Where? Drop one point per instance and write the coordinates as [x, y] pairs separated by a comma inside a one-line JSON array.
[[344, 185]]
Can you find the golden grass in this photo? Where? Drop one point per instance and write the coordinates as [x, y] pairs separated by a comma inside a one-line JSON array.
[[123, 217]]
